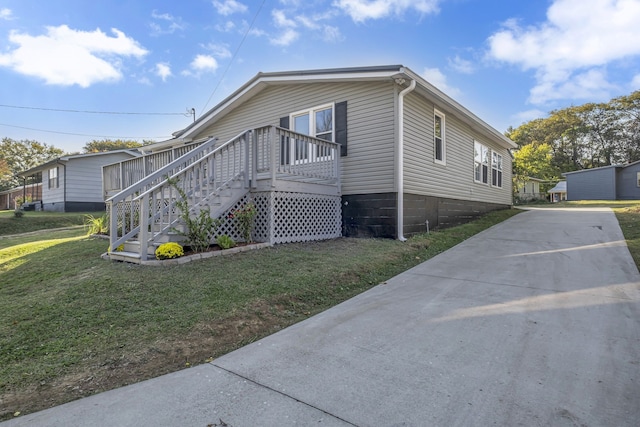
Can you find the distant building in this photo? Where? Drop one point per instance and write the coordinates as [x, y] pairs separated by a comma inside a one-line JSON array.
[[616, 182]]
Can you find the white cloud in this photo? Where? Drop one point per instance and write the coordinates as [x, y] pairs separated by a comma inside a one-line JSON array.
[[229, 7], [635, 82], [361, 10], [285, 38], [526, 116], [281, 20], [226, 27], [6, 14], [219, 50], [201, 64], [66, 57], [439, 80], [172, 23], [569, 50], [287, 27], [461, 65], [331, 34], [163, 70]]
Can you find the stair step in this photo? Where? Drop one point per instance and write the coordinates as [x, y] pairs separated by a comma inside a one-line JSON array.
[[125, 256]]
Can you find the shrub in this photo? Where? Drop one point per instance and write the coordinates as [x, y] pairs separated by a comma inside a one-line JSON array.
[[18, 213], [96, 225], [244, 217], [225, 242], [169, 250], [201, 227]]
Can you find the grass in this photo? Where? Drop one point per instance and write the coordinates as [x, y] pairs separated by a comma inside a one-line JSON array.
[[72, 324], [33, 221]]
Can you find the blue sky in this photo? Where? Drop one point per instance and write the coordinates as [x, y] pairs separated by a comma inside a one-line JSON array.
[[507, 61]]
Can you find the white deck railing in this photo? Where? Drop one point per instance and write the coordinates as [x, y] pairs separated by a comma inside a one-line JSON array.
[[121, 175], [147, 210]]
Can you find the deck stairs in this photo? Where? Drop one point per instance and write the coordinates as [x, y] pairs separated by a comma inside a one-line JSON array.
[[221, 178]]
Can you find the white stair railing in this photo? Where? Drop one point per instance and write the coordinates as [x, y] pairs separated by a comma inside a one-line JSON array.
[[147, 211]]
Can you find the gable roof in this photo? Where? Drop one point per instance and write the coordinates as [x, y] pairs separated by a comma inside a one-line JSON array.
[[561, 187], [67, 157], [398, 73]]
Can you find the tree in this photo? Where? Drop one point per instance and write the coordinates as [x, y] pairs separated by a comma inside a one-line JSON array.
[[19, 156], [533, 160], [98, 146]]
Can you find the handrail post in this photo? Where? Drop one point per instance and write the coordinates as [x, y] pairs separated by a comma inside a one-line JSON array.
[[113, 225], [247, 147], [122, 187], [254, 163], [143, 237], [272, 137]]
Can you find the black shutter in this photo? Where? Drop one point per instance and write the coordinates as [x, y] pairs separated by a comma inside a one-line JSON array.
[[341, 126], [284, 143], [284, 122]]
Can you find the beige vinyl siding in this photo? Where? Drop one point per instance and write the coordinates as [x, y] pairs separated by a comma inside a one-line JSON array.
[[368, 167], [454, 180]]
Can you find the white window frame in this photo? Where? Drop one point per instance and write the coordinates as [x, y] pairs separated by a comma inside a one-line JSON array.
[[53, 178], [496, 165], [484, 172], [638, 179], [443, 135], [310, 157]]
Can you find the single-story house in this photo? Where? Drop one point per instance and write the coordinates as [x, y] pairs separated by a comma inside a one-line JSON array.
[[530, 189], [24, 192], [367, 152], [73, 183], [615, 182], [559, 192]]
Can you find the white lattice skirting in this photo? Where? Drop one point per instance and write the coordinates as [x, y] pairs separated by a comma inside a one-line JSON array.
[[284, 217]]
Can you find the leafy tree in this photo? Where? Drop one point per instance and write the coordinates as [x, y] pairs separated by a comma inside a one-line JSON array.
[[532, 160], [19, 156], [102, 145]]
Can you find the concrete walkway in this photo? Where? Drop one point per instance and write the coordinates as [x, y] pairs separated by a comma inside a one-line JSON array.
[[534, 322]]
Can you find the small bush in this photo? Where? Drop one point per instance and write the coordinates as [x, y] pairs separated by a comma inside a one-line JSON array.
[[225, 242], [96, 225], [18, 213], [244, 217], [169, 250]]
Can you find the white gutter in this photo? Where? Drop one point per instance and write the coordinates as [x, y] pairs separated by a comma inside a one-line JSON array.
[[400, 157]]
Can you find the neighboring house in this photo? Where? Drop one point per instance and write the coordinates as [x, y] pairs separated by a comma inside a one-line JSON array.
[[31, 192], [559, 192], [367, 152], [616, 182], [73, 183], [530, 190]]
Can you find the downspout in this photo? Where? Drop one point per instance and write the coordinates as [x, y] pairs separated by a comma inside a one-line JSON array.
[[64, 188], [400, 157]]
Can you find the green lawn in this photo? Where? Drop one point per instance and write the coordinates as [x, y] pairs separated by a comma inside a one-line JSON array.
[[72, 324], [33, 221]]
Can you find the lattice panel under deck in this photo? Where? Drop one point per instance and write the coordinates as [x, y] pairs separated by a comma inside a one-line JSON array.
[[229, 226], [285, 217]]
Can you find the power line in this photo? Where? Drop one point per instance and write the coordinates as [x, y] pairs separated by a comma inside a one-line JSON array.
[[84, 134], [233, 56], [187, 113]]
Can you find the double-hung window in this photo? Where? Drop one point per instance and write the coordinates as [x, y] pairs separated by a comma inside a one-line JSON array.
[[53, 178], [480, 163], [438, 137], [316, 122], [496, 169]]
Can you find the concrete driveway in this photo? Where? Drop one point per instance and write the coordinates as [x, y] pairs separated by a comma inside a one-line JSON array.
[[534, 322]]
